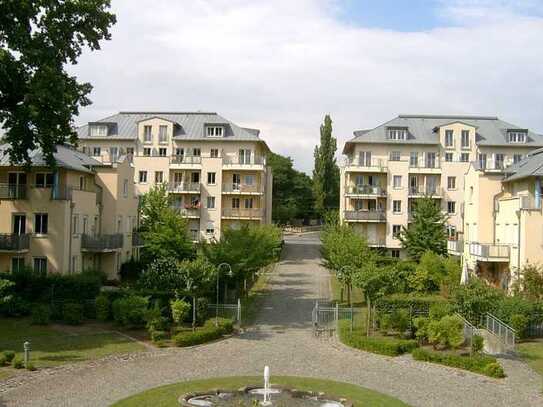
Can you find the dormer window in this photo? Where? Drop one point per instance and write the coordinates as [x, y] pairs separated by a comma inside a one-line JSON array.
[[516, 136], [215, 131], [397, 133], [98, 130], [147, 134]]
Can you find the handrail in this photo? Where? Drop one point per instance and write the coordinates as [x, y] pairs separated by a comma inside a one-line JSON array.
[[500, 329]]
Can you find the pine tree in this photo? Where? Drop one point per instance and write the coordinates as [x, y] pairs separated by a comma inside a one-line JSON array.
[[326, 171], [427, 232]]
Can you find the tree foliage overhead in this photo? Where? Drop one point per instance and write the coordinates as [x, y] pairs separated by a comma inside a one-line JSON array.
[[427, 232], [38, 98], [326, 171], [292, 191]]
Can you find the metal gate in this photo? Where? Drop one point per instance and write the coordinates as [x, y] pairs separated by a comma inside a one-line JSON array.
[[327, 317]]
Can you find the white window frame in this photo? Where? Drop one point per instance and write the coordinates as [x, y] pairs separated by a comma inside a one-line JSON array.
[[397, 134], [464, 142], [162, 134], [214, 153], [42, 267], [41, 215], [395, 156], [147, 133], [210, 202], [399, 184], [159, 177], [516, 136], [449, 138], [462, 155], [98, 130], [449, 203], [211, 178], [451, 180], [215, 131], [397, 206], [142, 174], [395, 235], [162, 152], [449, 157]]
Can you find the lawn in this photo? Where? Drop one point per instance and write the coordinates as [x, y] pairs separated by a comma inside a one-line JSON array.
[[53, 345], [251, 304], [166, 396], [532, 353], [357, 295]]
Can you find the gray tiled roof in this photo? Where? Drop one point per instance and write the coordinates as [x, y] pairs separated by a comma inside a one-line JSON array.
[[189, 126], [530, 166], [491, 131], [66, 157]]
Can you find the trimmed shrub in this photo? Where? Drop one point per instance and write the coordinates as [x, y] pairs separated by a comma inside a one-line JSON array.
[[447, 332], [225, 325], [198, 337], [72, 313], [18, 362], [520, 323], [421, 329], [157, 336], [103, 308], [415, 302], [41, 314], [477, 343], [202, 310], [483, 364], [130, 311], [400, 320], [8, 355], [180, 310]]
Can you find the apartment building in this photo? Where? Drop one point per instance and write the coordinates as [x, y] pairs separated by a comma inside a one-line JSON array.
[[391, 166], [80, 216], [503, 220], [215, 170]]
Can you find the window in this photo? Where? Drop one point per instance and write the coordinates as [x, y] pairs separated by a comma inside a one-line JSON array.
[[245, 156], [464, 157], [147, 152], [499, 162], [17, 264], [482, 161], [430, 160], [395, 156], [125, 188], [19, 224], [210, 231], [143, 177], [82, 184], [517, 136], [96, 151], [44, 180], [129, 150], [235, 203], [74, 264], [413, 159], [210, 178], [159, 177], [162, 152], [397, 134], [397, 181], [214, 153], [451, 183], [113, 154], [195, 177], [40, 265], [517, 158], [75, 224], [451, 207], [120, 224], [396, 229], [213, 131], [465, 139], [211, 202], [196, 152], [147, 134], [40, 223], [395, 253], [364, 158], [248, 203], [249, 180], [451, 231], [98, 131], [179, 151], [449, 157], [162, 134], [449, 138], [85, 224], [396, 206]]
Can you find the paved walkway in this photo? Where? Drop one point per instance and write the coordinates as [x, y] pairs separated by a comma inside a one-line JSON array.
[[283, 341]]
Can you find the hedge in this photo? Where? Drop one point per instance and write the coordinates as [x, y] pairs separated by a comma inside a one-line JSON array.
[[415, 302], [482, 364], [206, 334]]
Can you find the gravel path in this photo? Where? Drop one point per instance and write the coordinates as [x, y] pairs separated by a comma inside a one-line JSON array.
[[282, 340]]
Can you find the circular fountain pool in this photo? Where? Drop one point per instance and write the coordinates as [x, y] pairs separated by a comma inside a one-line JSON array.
[[251, 396]]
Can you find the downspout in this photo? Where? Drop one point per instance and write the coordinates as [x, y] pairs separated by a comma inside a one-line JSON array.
[[519, 215]]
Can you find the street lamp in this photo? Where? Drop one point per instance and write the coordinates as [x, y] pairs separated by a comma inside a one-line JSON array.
[[217, 303]]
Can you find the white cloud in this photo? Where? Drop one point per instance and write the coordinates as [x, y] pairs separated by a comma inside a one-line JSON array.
[[281, 65]]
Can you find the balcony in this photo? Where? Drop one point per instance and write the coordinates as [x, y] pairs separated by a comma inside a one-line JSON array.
[[188, 212], [184, 187], [376, 242], [425, 166], [242, 163], [529, 203], [10, 242], [420, 192], [186, 160], [13, 191], [101, 243], [137, 240], [455, 247], [492, 165], [365, 216], [366, 190], [239, 213], [241, 189], [490, 252], [366, 165]]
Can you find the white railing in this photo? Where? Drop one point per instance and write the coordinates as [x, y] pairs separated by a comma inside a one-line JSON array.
[[237, 160], [489, 250], [241, 188], [455, 246], [425, 163], [504, 332], [184, 187], [379, 163]]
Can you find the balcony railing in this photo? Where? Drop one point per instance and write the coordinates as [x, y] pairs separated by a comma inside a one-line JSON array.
[[13, 191], [137, 240], [376, 242], [13, 242], [373, 163], [242, 213], [186, 159], [237, 160], [184, 187], [379, 216], [491, 164], [489, 251], [425, 191], [102, 243], [188, 212], [366, 190], [241, 188], [425, 163], [455, 246]]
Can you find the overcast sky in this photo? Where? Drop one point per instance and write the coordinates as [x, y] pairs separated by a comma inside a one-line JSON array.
[[281, 65]]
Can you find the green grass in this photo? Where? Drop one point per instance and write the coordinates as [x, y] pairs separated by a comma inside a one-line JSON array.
[[532, 353], [55, 345], [167, 396], [357, 295], [251, 304]]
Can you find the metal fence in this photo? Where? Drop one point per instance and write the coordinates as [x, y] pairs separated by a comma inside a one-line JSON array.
[[535, 330], [326, 318], [229, 311], [504, 332]]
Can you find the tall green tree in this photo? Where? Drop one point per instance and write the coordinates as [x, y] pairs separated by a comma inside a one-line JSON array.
[[38, 98], [427, 232], [326, 170], [292, 191]]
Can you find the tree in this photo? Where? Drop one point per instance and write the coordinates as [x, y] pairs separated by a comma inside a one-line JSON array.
[[326, 171], [292, 191], [38, 98], [427, 232], [529, 284]]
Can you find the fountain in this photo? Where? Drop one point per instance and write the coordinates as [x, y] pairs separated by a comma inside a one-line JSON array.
[[250, 395]]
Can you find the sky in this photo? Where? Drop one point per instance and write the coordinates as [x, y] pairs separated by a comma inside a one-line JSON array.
[[281, 65]]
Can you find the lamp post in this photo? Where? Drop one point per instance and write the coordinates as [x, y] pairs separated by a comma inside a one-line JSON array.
[[217, 303]]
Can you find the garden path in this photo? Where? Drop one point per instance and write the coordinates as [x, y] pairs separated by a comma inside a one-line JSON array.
[[283, 340]]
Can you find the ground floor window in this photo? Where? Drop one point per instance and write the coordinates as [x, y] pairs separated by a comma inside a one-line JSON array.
[[40, 264], [395, 253], [17, 264]]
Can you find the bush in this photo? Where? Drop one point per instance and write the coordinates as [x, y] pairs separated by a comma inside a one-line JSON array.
[[202, 310], [486, 365], [440, 310], [409, 301], [30, 366], [474, 299], [155, 321], [400, 320], [72, 313], [180, 310], [157, 336], [41, 314], [16, 307], [3, 361], [447, 332], [421, 329], [520, 324], [131, 270], [130, 311], [18, 362], [385, 322], [477, 343], [197, 337], [224, 324], [8, 355], [103, 308]]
